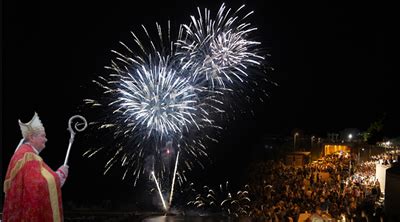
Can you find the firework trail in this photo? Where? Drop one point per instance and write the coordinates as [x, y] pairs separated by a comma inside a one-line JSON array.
[[147, 102], [173, 179], [159, 191]]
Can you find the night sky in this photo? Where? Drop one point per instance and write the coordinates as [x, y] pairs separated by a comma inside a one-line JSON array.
[[334, 65]]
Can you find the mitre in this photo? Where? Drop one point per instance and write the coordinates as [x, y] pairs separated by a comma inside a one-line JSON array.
[[33, 126]]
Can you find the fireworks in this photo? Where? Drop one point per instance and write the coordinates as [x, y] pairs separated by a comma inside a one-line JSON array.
[[222, 200], [147, 105], [219, 52], [223, 56], [154, 100], [160, 98]]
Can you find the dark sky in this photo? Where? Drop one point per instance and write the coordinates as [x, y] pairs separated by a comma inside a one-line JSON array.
[[334, 63]]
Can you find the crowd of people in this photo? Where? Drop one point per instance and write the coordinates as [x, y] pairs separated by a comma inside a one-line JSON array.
[[334, 188]]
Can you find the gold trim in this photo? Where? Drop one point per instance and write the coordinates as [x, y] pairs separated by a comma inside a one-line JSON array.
[[53, 195], [29, 156]]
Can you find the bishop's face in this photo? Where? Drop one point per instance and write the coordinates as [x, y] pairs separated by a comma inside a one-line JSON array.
[[38, 140]]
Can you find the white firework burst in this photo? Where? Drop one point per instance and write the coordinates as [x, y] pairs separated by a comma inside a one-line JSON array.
[[220, 52], [147, 103]]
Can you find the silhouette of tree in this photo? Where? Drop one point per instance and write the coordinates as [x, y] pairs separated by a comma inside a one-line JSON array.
[[374, 133]]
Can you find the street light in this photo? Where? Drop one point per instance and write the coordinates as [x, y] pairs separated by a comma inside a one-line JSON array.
[[294, 141], [350, 137]]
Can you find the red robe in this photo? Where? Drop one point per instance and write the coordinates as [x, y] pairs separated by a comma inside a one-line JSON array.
[[32, 190]]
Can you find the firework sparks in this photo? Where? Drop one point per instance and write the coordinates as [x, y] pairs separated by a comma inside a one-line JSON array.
[[219, 52], [157, 94], [147, 102], [222, 200]]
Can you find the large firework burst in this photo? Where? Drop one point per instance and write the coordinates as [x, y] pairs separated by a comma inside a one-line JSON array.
[[147, 103], [160, 97]]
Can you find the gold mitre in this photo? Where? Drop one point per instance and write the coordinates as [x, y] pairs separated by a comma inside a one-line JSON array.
[[31, 127]]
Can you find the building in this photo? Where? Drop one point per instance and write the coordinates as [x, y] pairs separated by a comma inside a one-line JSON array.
[[334, 148], [298, 158]]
